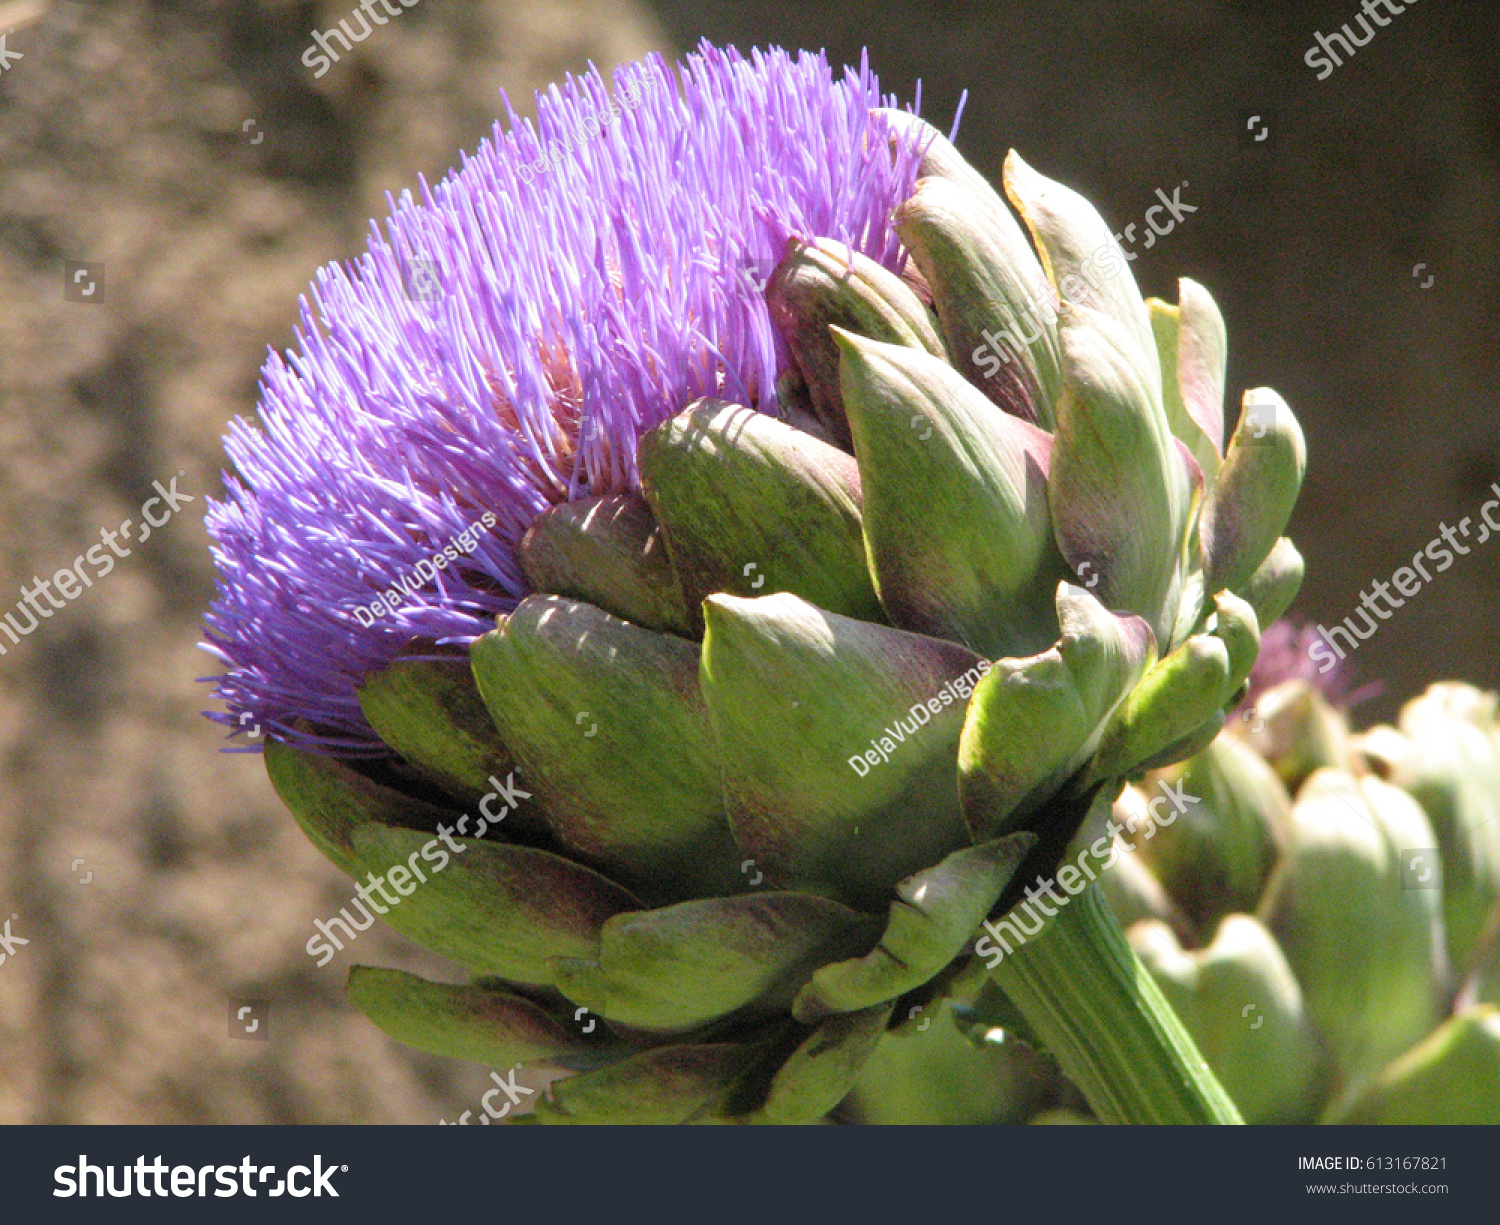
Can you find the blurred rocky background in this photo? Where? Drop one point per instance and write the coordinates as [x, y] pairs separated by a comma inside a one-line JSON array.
[[187, 149]]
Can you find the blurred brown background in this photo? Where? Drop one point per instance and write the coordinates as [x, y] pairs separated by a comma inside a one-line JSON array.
[[187, 149]]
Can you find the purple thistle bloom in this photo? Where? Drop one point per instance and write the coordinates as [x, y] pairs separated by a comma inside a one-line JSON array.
[[503, 345], [1286, 654]]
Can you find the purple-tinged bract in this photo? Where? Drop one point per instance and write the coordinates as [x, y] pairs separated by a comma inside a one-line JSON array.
[[503, 345]]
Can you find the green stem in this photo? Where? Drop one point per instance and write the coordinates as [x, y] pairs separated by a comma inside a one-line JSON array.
[[1090, 1001]]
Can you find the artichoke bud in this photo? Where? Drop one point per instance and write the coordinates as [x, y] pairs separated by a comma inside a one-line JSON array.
[[1447, 756], [1216, 854], [1193, 347], [1294, 728], [1251, 502], [1182, 693], [823, 284], [474, 1021], [1362, 934], [773, 780], [972, 558], [776, 706], [997, 311], [584, 701], [1451, 1077], [1033, 722], [1274, 585], [792, 688], [750, 506], [609, 552], [1239, 1000]]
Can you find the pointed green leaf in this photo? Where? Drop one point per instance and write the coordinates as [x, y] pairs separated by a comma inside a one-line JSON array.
[[1248, 508], [1173, 698], [933, 918], [838, 740], [429, 711], [820, 1073], [609, 552], [987, 283], [680, 967], [991, 296], [1237, 626], [971, 558], [940, 159], [1181, 693], [665, 1086], [1273, 587], [330, 800], [1193, 348], [1189, 746], [825, 284], [501, 910], [609, 728], [1085, 264], [470, 1022], [1120, 487], [751, 506], [1033, 722]]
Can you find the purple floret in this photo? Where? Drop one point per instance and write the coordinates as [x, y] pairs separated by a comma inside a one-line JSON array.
[[502, 347], [1286, 654]]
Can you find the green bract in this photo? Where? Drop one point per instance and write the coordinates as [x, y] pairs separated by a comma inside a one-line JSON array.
[[798, 715]]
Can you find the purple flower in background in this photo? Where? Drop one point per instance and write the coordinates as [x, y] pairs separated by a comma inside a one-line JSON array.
[[1286, 654], [502, 346]]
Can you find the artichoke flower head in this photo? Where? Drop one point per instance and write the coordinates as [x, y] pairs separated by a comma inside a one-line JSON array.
[[800, 542]]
